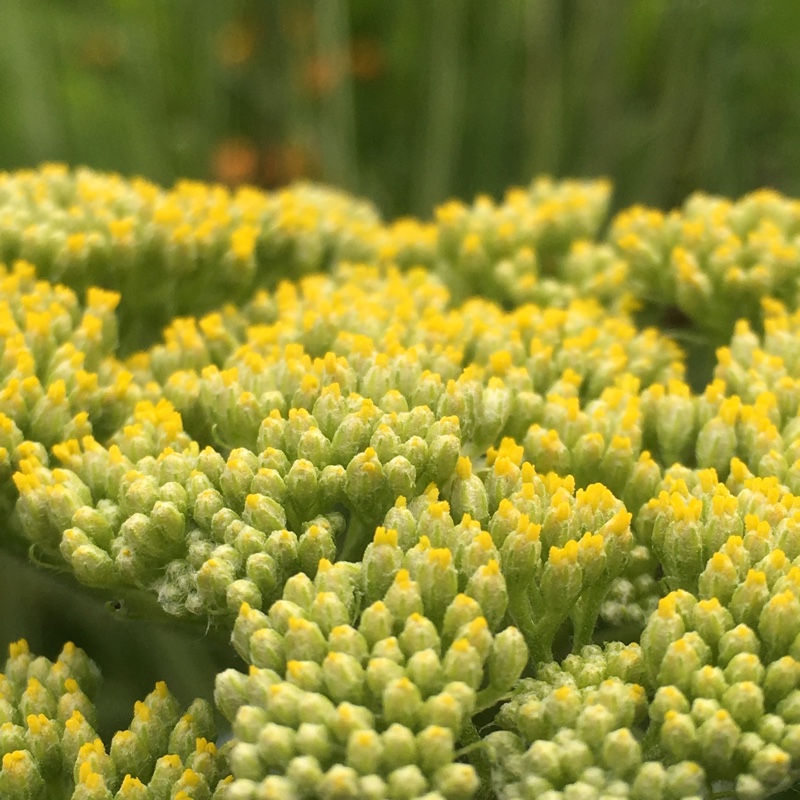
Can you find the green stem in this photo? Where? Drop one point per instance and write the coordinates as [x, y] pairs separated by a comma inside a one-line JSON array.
[[586, 617], [472, 746], [519, 606], [489, 697], [359, 533]]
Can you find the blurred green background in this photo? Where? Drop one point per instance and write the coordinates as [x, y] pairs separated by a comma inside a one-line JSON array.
[[409, 103], [405, 103]]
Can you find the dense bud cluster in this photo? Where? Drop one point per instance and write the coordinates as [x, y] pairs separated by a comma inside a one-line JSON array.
[[374, 709], [49, 747], [433, 477]]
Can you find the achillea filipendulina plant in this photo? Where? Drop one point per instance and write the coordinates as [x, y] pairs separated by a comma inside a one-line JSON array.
[[468, 524]]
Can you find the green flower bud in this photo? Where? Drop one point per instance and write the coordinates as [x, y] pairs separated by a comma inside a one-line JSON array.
[[230, 692], [314, 447], [249, 722], [740, 639], [306, 675], [679, 664], [442, 461], [346, 639], [401, 476], [263, 513], [245, 762], [403, 599], [462, 662], [93, 759], [303, 641], [349, 718], [332, 484], [678, 736], [468, 494], [406, 783], [709, 682], [716, 445], [12, 737], [367, 486], [399, 747], [344, 678], [748, 745], [545, 449], [95, 525], [130, 754], [269, 482], [242, 591], [717, 738], [282, 547], [488, 587], [402, 702], [621, 753], [381, 672], [235, 481], [444, 710], [376, 623], [261, 569], [314, 740], [20, 778], [93, 567], [779, 622], [771, 765], [719, 578], [276, 746], [328, 611], [419, 633], [381, 562], [789, 707], [782, 677], [400, 519], [424, 669], [686, 779], [206, 505], [507, 660], [353, 434], [43, 741], [302, 487], [666, 699], [314, 545], [749, 598], [364, 751], [744, 667], [132, 789], [771, 728], [664, 627], [438, 582], [437, 523], [213, 579], [37, 699]]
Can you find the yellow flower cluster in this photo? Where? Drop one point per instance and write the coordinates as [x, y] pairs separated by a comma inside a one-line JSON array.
[[375, 451]]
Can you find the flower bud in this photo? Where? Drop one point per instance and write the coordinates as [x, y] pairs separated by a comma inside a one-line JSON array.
[[263, 513], [488, 587], [419, 633], [678, 736], [314, 740], [507, 660], [403, 599], [20, 778], [344, 678], [462, 662], [468, 494], [376, 623], [438, 582], [406, 783], [717, 738]]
